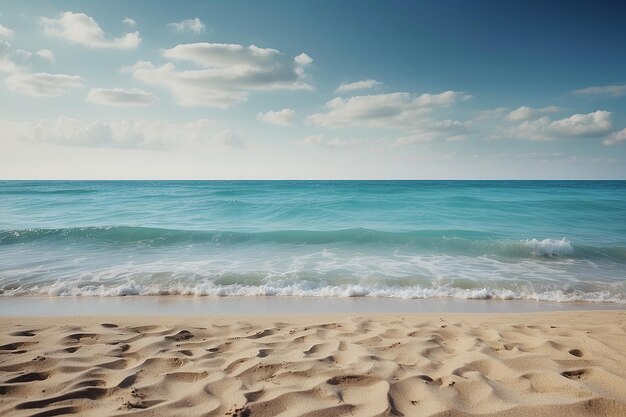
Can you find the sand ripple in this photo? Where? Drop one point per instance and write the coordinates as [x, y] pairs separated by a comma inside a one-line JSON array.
[[413, 365]]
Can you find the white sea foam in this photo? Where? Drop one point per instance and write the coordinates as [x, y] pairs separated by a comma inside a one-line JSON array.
[[308, 289], [550, 247], [537, 270]]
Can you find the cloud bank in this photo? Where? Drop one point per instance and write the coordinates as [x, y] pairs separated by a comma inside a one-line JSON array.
[[593, 124], [616, 137], [334, 143], [358, 85], [227, 73], [393, 110], [130, 134], [5, 32], [46, 54], [79, 28], [284, 117], [195, 26], [43, 84], [120, 97], [612, 90], [129, 21], [524, 112]]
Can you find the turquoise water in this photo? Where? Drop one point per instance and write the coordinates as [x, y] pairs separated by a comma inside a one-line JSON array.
[[539, 240]]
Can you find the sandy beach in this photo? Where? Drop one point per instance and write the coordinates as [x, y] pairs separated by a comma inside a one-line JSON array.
[[312, 209], [527, 364]]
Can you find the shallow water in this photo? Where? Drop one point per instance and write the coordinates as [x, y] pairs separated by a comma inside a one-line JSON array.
[[538, 240]]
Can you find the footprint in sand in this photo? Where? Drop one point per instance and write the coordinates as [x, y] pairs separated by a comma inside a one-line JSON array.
[[180, 336], [576, 374], [24, 333], [576, 352], [357, 380], [14, 346], [72, 349], [263, 353], [264, 333], [77, 337]]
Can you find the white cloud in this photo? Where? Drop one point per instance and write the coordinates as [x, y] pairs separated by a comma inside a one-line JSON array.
[[22, 54], [43, 84], [590, 124], [130, 21], [46, 54], [230, 139], [5, 48], [120, 97], [6, 64], [195, 25], [393, 110], [143, 134], [284, 117], [303, 60], [615, 138], [613, 90], [7, 53], [335, 143], [5, 32], [524, 112], [66, 131], [40, 84], [428, 131], [82, 29], [228, 72], [496, 113], [221, 55], [416, 117], [358, 85], [593, 124]]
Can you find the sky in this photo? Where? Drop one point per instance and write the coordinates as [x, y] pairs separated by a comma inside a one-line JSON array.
[[312, 90]]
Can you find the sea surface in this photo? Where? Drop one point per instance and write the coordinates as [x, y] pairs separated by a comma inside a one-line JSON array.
[[535, 240]]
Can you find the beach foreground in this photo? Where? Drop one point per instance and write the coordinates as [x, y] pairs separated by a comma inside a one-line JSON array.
[[528, 364]]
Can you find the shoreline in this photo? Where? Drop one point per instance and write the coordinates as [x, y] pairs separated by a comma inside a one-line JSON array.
[[269, 305], [363, 365]]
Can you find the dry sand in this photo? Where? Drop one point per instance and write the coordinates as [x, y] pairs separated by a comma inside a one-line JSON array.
[[549, 364]]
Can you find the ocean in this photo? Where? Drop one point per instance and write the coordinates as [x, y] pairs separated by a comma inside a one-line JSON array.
[[536, 240]]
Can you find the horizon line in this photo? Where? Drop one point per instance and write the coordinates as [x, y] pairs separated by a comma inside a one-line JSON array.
[[308, 179]]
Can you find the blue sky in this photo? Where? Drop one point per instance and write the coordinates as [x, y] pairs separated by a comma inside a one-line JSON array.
[[284, 89]]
